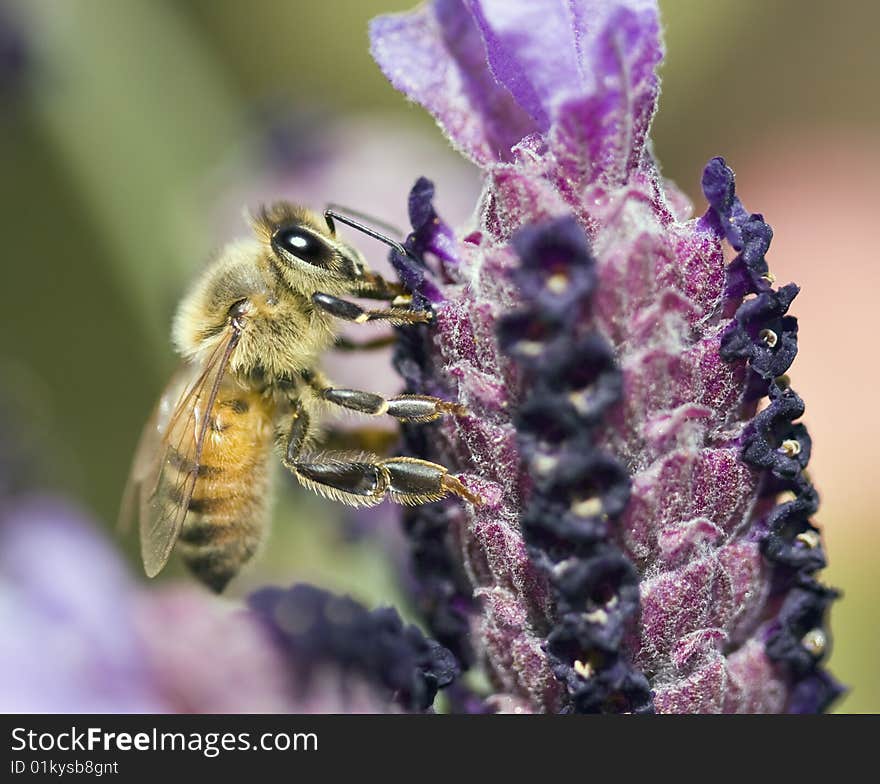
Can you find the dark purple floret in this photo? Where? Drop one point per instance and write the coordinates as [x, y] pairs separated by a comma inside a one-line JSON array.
[[749, 270], [763, 334], [528, 335], [569, 381], [579, 375], [774, 443], [803, 612], [614, 688], [608, 582], [319, 629], [444, 597], [548, 272], [429, 235], [815, 693], [581, 472], [747, 233], [551, 525], [743, 230], [791, 540], [727, 213]]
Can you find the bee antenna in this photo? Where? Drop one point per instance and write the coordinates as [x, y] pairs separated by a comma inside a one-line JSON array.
[[332, 214], [338, 210]]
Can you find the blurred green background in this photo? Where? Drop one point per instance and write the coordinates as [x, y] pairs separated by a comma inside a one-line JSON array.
[[133, 131]]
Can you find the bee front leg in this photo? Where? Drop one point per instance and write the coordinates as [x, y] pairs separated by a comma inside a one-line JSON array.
[[350, 311], [365, 480]]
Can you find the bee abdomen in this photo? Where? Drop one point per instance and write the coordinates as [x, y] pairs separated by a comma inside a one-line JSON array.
[[226, 513], [215, 563], [215, 550], [201, 533], [224, 527]]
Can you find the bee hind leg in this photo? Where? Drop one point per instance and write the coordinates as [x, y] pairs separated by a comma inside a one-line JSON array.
[[414, 481], [365, 480]]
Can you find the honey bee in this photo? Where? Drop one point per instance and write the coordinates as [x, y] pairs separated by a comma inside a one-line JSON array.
[[251, 332]]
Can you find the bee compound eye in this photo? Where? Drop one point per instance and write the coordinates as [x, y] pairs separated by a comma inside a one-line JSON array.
[[302, 244]]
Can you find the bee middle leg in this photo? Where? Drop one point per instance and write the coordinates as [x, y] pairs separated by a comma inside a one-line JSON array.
[[405, 408], [365, 480]]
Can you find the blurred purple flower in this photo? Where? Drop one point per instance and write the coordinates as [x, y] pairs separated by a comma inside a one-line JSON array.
[[69, 643], [81, 637], [631, 555]]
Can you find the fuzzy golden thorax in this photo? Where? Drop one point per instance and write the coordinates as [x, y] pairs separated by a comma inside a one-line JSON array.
[[282, 332]]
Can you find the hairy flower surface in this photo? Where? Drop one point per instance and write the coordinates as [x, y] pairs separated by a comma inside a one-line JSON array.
[[628, 425]]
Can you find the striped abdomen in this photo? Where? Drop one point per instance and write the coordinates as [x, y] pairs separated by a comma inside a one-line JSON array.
[[226, 517]]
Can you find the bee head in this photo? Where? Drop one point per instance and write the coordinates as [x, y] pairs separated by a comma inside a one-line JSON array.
[[305, 249]]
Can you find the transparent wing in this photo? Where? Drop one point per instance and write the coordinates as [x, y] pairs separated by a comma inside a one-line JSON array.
[[150, 444], [167, 461]]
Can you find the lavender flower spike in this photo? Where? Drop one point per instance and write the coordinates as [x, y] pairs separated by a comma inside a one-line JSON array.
[[630, 554]]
